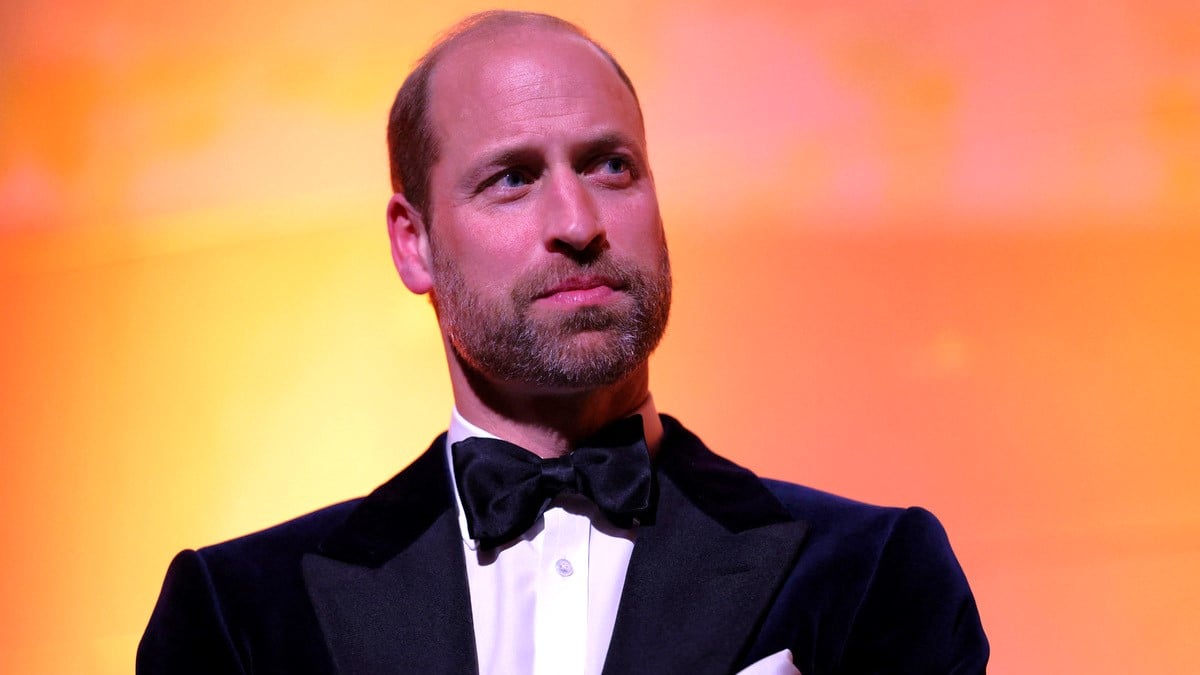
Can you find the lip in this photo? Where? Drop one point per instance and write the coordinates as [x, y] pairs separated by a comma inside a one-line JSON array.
[[579, 290]]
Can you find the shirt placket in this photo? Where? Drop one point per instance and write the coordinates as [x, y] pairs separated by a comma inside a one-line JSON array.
[[560, 620]]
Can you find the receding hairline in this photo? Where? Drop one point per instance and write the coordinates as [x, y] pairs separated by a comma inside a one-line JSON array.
[[495, 25]]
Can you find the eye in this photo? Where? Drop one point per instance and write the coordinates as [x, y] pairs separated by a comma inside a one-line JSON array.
[[614, 165], [613, 171], [507, 183], [512, 178]]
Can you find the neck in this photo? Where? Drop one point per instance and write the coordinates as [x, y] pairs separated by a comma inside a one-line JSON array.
[[552, 423]]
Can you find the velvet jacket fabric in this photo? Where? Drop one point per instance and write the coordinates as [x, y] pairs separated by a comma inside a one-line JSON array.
[[731, 568]]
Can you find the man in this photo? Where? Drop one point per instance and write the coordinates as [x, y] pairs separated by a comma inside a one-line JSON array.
[[600, 536]]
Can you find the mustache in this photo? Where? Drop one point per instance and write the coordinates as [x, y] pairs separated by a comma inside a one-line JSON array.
[[616, 272]]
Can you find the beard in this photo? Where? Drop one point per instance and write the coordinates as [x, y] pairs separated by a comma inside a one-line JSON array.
[[584, 347]]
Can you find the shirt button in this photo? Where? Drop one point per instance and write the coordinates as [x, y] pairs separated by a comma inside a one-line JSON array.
[[564, 567]]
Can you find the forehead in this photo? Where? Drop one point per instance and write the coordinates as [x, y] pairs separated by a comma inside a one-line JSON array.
[[527, 80]]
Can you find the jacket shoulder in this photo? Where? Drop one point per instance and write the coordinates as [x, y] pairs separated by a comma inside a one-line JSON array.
[[286, 541], [883, 586], [262, 569], [240, 602], [826, 512]]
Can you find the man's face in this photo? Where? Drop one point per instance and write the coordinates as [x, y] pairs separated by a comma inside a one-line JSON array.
[[549, 262]]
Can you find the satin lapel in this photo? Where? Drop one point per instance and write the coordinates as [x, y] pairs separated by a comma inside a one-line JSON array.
[[703, 574], [390, 588]]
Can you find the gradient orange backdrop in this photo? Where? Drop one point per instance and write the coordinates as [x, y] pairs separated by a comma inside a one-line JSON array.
[[926, 253]]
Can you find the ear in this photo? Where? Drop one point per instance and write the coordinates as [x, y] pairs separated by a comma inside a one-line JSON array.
[[410, 244]]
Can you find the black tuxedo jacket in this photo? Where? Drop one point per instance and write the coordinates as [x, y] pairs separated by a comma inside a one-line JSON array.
[[730, 569]]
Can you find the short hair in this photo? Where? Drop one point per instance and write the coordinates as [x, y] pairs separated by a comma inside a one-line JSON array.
[[412, 140]]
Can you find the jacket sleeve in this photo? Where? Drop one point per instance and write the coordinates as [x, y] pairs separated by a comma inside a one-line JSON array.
[[918, 614], [187, 633]]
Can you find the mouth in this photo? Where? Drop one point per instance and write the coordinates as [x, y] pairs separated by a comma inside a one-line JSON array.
[[580, 290]]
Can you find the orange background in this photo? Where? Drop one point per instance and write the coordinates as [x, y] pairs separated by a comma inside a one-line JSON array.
[[932, 253]]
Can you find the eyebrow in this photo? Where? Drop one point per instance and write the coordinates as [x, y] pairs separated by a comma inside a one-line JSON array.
[[607, 142]]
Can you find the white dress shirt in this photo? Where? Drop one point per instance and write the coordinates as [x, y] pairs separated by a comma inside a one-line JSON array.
[[545, 603]]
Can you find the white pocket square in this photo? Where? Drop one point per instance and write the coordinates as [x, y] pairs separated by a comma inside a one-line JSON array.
[[779, 663]]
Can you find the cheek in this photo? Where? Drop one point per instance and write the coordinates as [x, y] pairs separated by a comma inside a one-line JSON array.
[[637, 225], [482, 241], [505, 227], [489, 272]]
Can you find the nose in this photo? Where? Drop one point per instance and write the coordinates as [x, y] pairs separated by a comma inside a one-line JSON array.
[[572, 224]]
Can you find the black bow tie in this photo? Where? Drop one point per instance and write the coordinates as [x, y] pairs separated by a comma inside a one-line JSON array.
[[504, 488]]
